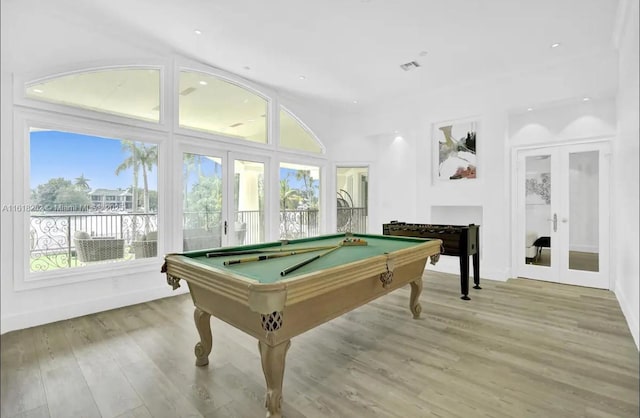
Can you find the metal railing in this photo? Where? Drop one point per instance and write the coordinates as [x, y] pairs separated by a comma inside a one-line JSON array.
[[52, 235], [352, 220]]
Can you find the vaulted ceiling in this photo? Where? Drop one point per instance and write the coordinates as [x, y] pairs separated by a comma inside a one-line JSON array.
[[352, 50]]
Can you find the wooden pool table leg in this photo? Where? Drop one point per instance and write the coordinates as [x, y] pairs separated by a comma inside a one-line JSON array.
[[414, 301], [273, 368], [203, 347]]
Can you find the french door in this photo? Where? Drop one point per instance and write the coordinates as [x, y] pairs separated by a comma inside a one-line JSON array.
[[223, 199], [562, 214]]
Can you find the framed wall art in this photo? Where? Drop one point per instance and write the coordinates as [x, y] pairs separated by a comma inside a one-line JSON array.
[[454, 150]]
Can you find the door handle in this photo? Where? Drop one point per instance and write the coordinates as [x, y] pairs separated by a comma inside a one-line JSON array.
[[555, 222], [225, 227]]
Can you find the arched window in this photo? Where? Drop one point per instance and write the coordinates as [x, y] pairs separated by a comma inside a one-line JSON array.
[[294, 135], [131, 92], [209, 103]]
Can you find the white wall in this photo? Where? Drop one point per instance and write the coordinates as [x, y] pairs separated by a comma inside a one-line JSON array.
[[40, 37], [625, 183], [406, 191]]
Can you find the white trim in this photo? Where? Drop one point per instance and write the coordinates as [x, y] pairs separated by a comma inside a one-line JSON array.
[[451, 265], [629, 313]]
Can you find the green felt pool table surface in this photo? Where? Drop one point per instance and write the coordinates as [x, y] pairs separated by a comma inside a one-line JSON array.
[[269, 271]]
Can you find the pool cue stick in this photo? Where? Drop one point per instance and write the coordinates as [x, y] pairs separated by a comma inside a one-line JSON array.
[[307, 261], [271, 255], [258, 251]]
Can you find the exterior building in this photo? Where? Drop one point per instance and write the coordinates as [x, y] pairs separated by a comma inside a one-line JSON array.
[[109, 199]]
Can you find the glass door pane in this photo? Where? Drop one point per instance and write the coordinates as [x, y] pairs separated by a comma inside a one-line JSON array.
[[352, 186], [539, 217], [299, 201], [248, 203], [202, 201], [583, 219]]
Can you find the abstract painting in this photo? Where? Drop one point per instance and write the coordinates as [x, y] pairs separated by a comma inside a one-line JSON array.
[[455, 149]]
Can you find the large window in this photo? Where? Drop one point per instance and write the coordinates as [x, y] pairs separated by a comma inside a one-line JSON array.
[[294, 135], [211, 104], [299, 201], [131, 92], [93, 199]]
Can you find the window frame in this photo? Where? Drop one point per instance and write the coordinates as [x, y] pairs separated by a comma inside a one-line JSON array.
[[22, 82], [24, 120], [264, 93], [170, 138]]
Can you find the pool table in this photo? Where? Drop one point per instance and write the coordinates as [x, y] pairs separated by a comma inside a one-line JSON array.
[[258, 299]]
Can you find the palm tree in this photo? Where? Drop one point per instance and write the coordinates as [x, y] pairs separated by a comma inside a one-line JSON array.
[[288, 196], [82, 182], [141, 158], [148, 158], [133, 162]]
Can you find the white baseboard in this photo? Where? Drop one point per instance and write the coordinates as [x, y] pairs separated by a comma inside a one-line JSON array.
[[451, 264], [59, 313], [630, 314]]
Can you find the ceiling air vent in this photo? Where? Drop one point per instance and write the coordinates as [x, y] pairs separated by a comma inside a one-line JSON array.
[[410, 65], [235, 125]]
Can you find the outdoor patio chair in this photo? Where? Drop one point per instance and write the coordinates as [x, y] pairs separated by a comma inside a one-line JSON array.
[[147, 246], [199, 238], [89, 249]]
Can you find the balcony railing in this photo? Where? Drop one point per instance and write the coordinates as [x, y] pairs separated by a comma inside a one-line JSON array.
[[352, 220], [52, 235]]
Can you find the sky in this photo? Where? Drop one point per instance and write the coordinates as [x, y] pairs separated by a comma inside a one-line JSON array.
[[69, 155], [63, 154]]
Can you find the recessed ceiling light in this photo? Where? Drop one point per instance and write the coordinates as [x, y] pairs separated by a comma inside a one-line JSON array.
[[203, 83], [197, 32], [555, 45], [529, 109], [302, 77], [586, 99], [355, 102], [423, 53], [38, 91]]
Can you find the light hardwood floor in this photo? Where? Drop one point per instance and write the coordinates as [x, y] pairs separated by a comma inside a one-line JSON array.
[[518, 349]]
